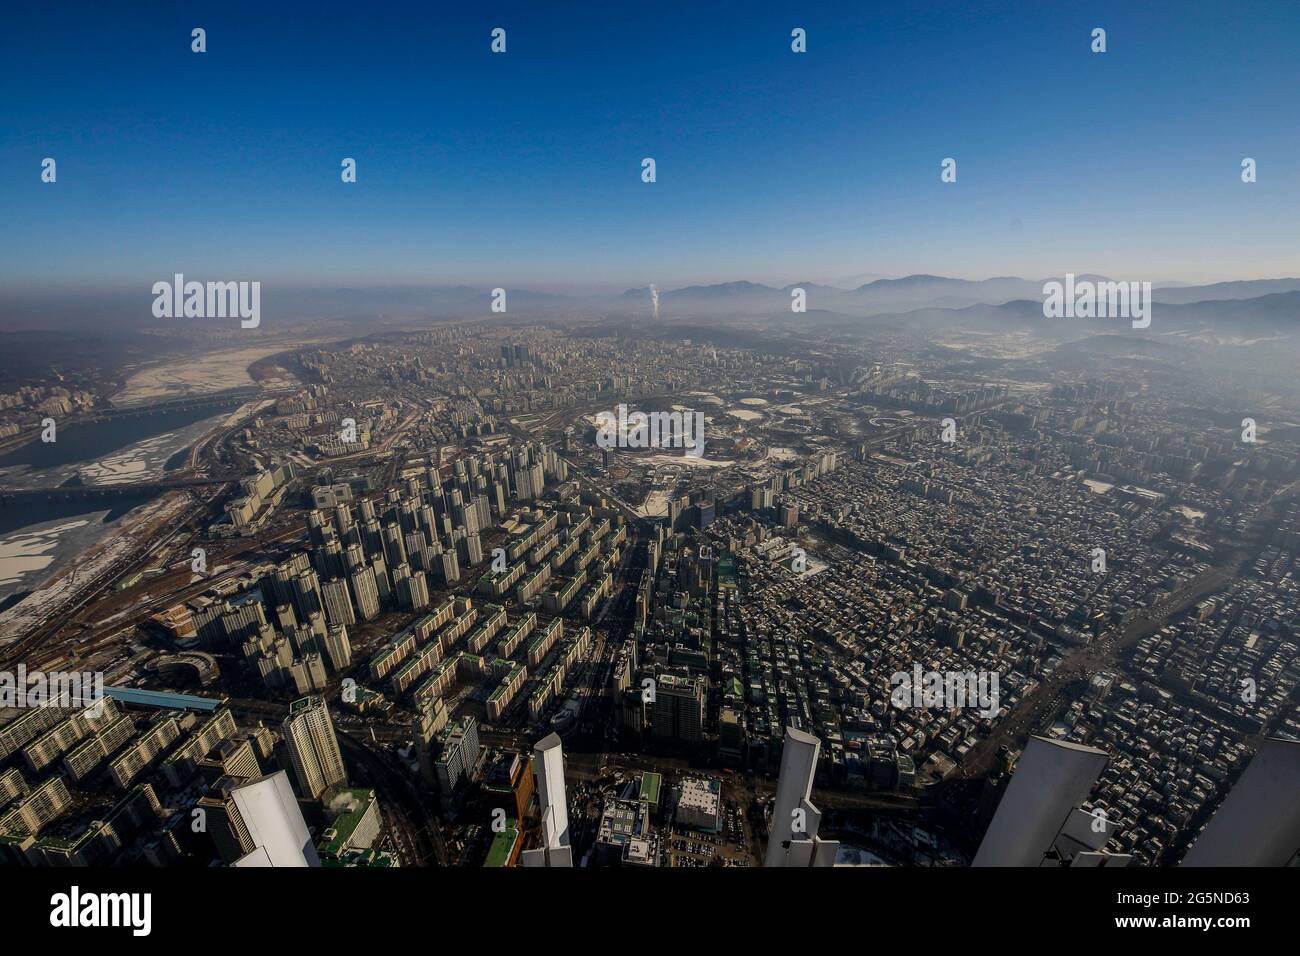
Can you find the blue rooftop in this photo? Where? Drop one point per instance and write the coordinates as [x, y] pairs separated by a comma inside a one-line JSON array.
[[161, 698]]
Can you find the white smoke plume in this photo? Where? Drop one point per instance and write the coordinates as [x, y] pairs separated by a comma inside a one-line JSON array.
[[654, 299]]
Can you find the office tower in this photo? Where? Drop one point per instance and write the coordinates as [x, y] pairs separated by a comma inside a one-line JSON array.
[[1259, 821], [313, 748], [448, 769], [789, 515], [1051, 779], [469, 744], [338, 602], [793, 839], [548, 765], [274, 824], [677, 713]]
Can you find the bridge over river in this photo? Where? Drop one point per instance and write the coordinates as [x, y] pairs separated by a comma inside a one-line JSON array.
[[16, 497]]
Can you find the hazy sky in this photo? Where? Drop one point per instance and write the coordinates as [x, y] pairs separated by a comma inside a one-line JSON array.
[[526, 167]]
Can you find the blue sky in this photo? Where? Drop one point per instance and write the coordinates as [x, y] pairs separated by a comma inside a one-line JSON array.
[[525, 167]]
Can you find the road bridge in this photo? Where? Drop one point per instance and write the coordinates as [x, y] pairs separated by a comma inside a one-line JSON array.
[[214, 400], [15, 497]]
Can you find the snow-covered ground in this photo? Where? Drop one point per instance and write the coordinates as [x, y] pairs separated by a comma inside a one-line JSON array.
[[49, 599], [31, 550], [195, 375]]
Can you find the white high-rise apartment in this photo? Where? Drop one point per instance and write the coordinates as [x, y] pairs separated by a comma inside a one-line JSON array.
[[313, 747]]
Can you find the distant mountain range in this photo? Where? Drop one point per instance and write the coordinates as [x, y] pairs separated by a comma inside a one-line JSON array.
[[878, 297], [909, 293], [1223, 319], [921, 300]]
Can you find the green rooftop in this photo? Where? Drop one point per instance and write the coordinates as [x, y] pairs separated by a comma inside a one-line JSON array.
[[345, 824], [502, 845], [650, 783]]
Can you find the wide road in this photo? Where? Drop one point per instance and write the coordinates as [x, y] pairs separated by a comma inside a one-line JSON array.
[[1046, 701]]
